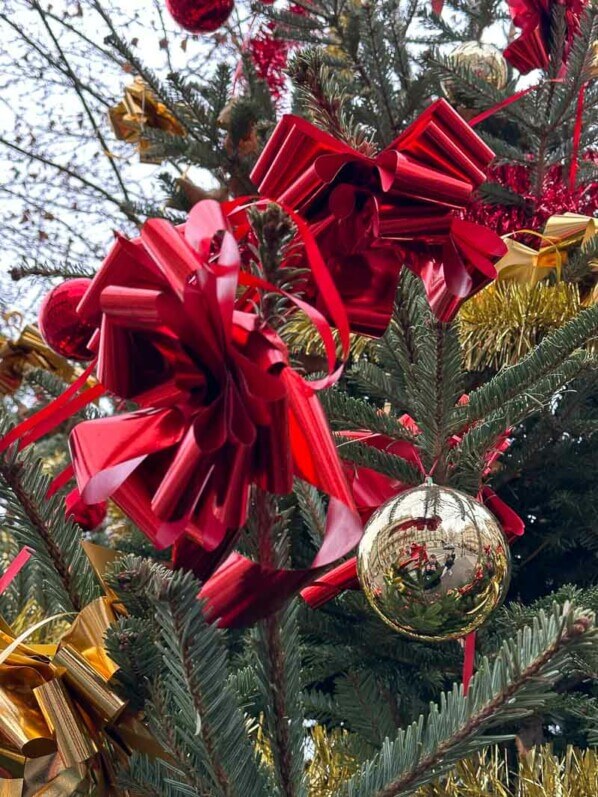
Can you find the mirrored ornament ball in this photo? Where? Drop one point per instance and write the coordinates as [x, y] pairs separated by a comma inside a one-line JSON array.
[[59, 324], [434, 563], [200, 16], [484, 60]]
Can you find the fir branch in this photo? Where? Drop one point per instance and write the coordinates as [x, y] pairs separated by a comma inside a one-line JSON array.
[[192, 686], [64, 271], [150, 777], [373, 382], [478, 441], [311, 509], [40, 523], [323, 98], [277, 660], [439, 378], [347, 413], [381, 461], [514, 685], [547, 357]]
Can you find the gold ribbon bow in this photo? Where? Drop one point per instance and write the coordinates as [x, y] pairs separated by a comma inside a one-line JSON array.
[[138, 110], [525, 265], [28, 351], [61, 721]]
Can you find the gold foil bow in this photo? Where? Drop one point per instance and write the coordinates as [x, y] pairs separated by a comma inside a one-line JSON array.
[[528, 266], [28, 351], [139, 110], [62, 724]]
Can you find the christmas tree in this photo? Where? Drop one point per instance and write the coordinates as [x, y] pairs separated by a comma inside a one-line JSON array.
[[357, 288]]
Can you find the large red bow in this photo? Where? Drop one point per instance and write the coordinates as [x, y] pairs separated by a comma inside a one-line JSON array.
[[372, 214], [372, 489], [531, 50], [220, 408]]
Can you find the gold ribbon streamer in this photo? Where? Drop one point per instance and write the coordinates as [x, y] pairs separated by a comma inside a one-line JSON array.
[[61, 721]]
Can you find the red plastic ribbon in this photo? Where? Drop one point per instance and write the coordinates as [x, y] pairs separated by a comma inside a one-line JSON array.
[[369, 215], [577, 129], [220, 406], [57, 411], [532, 48], [468, 660], [14, 568]]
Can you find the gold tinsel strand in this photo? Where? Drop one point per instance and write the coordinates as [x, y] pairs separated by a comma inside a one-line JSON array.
[[302, 337], [539, 774], [499, 325]]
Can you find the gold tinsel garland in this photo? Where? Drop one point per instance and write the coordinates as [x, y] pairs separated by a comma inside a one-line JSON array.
[[539, 774], [502, 323]]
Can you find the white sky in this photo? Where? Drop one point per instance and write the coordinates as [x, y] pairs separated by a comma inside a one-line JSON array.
[[32, 94]]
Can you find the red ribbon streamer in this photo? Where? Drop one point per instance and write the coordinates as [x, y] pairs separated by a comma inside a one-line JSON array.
[[57, 411], [14, 568], [468, 660], [577, 137]]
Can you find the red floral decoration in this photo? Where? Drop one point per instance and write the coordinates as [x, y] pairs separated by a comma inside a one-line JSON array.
[[555, 197], [179, 332], [370, 215]]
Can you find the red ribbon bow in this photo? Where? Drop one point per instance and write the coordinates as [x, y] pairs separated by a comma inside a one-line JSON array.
[[220, 409], [371, 214]]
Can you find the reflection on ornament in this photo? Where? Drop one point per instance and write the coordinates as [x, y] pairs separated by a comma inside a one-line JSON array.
[[433, 563], [59, 323], [484, 60], [141, 110]]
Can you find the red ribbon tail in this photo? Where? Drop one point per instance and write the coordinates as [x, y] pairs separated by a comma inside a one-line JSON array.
[[60, 480], [577, 137], [14, 568], [331, 584], [468, 660], [54, 413]]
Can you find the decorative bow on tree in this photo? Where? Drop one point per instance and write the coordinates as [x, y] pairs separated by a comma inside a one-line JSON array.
[[220, 409], [371, 215], [61, 721], [531, 50], [371, 489]]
